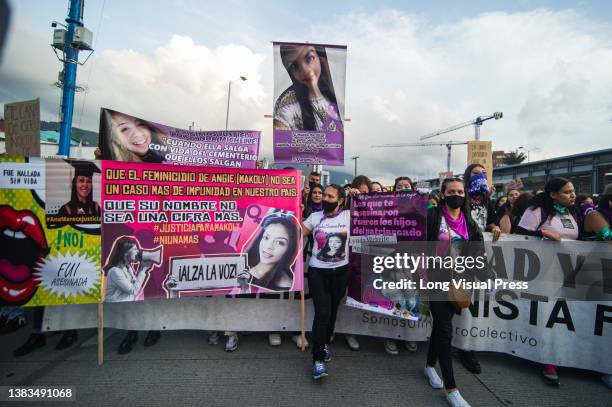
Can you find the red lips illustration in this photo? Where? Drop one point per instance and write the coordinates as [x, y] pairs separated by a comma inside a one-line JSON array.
[[22, 245]]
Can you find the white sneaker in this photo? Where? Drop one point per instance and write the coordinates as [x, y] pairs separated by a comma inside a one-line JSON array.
[[231, 343], [455, 400], [351, 341], [297, 339], [607, 379], [274, 339], [432, 376], [391, 347]]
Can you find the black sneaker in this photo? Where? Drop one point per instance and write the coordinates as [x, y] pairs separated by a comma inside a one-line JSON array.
[[128, 343], [34, 342], [68, 339], [469, 361], [11, 325], [152, 338]]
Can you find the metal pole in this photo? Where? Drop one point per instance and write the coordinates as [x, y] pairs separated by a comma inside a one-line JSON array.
[[477, 131], [448, 157], [71, 57], [229, 93]]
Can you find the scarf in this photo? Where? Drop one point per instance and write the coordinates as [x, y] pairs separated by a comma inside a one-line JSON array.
[[560, 209], [478, 184], [316, 207], [459, 225]]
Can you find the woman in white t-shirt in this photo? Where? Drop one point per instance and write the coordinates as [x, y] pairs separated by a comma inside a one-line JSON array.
[[551, 215], [327, 271]]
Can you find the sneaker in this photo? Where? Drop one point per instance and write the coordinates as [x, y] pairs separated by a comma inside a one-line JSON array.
[[231, 343], [152, 338], [432, 376], [328, 353], [11, 325], [319, 370], [351, 341], [411, 346], [68, 339], [391, 347], [274, 339], [455, 400], [550, 375], [128, 342], [607, 379], [469, 361], [34, 342], [213, 339], [297, 339]]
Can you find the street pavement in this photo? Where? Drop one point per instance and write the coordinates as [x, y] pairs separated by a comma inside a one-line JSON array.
[[182, 369]]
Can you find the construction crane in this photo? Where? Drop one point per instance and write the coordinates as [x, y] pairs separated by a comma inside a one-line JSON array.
[[477, 122], [448, 145]]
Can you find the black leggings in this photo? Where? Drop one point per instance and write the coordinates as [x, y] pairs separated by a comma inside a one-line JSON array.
[[327, 288], [440, 340]]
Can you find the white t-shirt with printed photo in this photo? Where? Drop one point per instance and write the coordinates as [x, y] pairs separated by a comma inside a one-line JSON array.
[[331, 235]]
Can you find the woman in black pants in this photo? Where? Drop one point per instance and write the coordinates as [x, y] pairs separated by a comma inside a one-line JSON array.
[[450, 226], [327, 273]]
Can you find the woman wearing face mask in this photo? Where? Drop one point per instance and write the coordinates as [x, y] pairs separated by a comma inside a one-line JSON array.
[[451, 225], [327, 277], [552, 215], [403, 184], [377, 187]]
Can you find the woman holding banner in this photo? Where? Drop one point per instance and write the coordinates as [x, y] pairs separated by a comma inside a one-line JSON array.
[[552, 215], [310, 102], [451, 225], [126, 138], [327, 278]]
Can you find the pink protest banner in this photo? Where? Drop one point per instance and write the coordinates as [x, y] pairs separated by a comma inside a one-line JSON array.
[[170, 232]]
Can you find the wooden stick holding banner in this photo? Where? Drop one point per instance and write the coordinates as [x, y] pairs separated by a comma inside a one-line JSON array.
[[302, 316], [100, 334]]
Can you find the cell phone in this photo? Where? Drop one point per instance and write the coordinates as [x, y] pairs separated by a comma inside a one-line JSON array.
[[311, 184]]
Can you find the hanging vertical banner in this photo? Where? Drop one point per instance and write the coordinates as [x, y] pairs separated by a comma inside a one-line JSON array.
[[177, 232], [309, 101], [380, 224], [43, 263], [481, 152], [22, 128], [131, 139]]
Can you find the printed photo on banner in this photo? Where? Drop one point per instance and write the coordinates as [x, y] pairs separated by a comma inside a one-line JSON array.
[[39, 265], [309, 103], [271, 245], [124, 137], [73, 193]]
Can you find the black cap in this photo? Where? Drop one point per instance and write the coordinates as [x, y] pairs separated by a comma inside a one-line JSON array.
[[83, 168]]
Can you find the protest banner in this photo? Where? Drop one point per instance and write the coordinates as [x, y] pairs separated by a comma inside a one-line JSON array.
[[128, 138], [22, 128], [40, 263], [309, 100], [378, 223], [481, 152], [196, 231]]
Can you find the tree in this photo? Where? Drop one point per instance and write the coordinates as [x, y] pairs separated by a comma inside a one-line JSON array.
[[514, 157]]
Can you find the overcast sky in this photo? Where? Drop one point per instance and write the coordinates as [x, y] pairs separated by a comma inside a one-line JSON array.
[[412, 68]]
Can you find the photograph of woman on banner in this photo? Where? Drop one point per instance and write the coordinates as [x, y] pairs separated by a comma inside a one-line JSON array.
[[334, 248], [81, 196], [122, 282], [128, 138], [273, 253], [310, 102]]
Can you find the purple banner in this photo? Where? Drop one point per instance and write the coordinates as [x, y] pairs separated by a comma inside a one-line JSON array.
[[303, 147], [131, 139]]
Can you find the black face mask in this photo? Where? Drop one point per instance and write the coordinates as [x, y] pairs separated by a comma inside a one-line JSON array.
[[329, 207], [454, 201]]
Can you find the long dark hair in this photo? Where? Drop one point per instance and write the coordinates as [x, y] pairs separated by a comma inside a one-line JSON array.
[[301, 92], [118, 251], [520, 204], [545, 202], [484, 196], [284, 264], [308, 207], [90, 207], [361, 180], [326, 249], [398, 179], [465, 208]]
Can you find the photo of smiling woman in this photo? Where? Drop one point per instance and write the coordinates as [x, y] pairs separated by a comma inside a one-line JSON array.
[[334, 249], [272, 254], [81, 196], [310, 102], [127, 138]]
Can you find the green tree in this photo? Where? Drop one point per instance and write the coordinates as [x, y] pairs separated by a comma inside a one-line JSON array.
[[514, 157]]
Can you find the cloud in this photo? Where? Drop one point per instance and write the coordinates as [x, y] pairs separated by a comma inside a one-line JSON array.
[[548, 71]]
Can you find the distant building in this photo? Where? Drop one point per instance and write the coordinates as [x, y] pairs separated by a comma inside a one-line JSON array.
[[49, 145], [498, 158]]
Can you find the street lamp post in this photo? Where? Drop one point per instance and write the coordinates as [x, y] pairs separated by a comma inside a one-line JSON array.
[[355, 158], [229, 94], [528, 151]]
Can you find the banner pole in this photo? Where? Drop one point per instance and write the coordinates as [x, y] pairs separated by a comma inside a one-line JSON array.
[[302, 312], [100, 334]]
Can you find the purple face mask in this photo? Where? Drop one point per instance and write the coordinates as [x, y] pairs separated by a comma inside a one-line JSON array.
[[586, 208], [478, 183]]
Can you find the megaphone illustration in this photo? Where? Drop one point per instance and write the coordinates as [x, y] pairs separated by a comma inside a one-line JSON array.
[[150, 256]]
